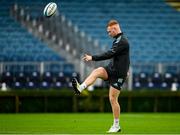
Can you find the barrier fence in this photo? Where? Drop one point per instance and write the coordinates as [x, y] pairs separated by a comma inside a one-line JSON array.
[[96, 101]]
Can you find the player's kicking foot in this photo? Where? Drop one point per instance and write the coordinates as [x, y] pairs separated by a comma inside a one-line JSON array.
[[114, 129], [76, 86]]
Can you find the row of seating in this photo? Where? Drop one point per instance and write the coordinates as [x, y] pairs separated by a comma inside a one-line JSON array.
[[23, 57], [160, 86], [43, 85], [149, 42], [138, 16], [137, 19], [156, 80], [17, 44], [34, 80]]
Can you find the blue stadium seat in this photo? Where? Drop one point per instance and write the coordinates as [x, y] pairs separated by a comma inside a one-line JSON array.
[[8, 78], [156, 79], [58, 85], [45, 85], [47, 77], [34, 76], [20, 77], [31, 85], [18, 85]]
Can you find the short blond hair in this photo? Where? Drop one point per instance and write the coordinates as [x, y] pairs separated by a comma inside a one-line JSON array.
[[112, 22]]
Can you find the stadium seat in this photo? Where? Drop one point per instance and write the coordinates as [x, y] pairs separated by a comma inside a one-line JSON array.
[[58, 85], [20, 77], [156, 79], [60, 77], [34, 76], [31, 85], [143, 78], [47, 77], [45, 85], [8, 78], [168, 78], [164, 85], [18, 85], [151, 85], [137, 85]]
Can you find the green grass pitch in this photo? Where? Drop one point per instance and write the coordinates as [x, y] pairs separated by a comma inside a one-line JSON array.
[[89, 123]]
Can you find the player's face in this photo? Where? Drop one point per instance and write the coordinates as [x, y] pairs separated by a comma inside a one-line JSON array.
[[111, 31]]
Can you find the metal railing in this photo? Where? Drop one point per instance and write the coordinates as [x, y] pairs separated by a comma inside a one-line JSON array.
[[40, 67]]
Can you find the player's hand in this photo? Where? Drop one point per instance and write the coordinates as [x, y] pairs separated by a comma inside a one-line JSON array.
[[87, 57]]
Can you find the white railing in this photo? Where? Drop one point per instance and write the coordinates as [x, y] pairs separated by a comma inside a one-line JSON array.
[[153, 67], [41, 67]]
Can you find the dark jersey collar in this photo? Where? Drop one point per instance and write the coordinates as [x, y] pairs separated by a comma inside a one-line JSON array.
[[118, 35]]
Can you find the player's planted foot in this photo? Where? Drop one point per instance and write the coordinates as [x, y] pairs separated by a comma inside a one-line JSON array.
[[76, 86], [114, 129]]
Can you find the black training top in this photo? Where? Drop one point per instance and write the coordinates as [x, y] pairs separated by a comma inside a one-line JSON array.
[[120, 56]]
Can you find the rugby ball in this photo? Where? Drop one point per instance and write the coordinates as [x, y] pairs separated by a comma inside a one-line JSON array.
[[50, 9]]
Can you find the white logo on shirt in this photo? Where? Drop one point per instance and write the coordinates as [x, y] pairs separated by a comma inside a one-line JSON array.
[[120, 80]]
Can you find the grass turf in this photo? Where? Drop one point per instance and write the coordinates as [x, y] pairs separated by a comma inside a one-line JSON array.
[[89, 123]]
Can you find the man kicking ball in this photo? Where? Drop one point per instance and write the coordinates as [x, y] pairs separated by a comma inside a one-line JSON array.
[[115, 72]]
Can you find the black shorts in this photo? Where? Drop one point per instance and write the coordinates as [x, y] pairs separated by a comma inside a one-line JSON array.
[[115, 80]]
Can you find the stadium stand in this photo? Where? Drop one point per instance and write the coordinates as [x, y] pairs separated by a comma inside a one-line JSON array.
[[147, 24], [20, 46], [152, 29]]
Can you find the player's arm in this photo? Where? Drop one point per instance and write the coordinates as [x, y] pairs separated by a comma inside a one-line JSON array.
[[110, 53], [104, 56], [87, 57]]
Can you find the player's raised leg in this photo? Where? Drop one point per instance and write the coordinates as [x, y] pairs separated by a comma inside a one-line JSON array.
[[96, 73], [113, 97]]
